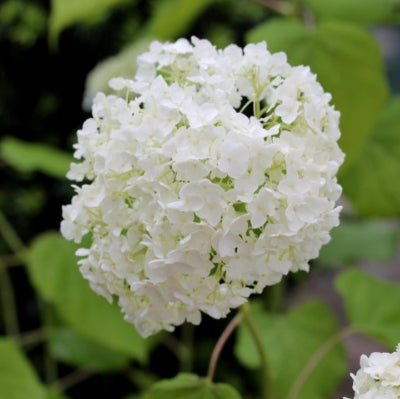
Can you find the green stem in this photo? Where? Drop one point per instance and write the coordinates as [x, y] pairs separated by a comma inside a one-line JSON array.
[[256, 109], [316, 358], [10, 236], [255, 332], [50, 365], [173, 345], [186, 348], [72, 379], [220, 344], [10, 313], [10, 260], [245, 106], [33, 337], [277, 292]]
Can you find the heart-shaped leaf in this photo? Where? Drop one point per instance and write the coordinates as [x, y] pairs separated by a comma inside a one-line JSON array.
[[290, 340], [372, 305]]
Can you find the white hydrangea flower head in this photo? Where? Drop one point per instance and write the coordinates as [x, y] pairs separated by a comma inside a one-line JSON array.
[[207, 176], [378, 376]]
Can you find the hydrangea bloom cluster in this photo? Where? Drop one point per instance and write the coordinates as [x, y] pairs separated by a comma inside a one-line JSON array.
[[208, 176], [378, 376]]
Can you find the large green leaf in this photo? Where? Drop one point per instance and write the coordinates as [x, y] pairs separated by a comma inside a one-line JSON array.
[[361, 11], [30, 157], [17, 378], [290, 341], [372, 305], [65, 13], [189, 386], [172, 18], [372, 182], [356, 240], [53, 269], [70, 348], [348, 64]]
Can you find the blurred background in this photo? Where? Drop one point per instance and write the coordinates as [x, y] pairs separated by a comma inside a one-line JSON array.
[[55, 55]]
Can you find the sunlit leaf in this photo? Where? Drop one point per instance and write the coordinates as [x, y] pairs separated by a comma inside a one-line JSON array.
[[172, 18], [290, 341], [67, 346], [372, 182], [188, 386], [348, 64], [30, 157], [53, 269], [17, 378], [357, 240], [65, 13], [361, 11], [372, 305]]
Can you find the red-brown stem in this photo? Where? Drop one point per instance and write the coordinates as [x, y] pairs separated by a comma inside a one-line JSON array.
[[220, 344]]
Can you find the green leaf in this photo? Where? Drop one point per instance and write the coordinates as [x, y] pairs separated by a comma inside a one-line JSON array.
[[67, 346], [290, 341], [348, 64], [188, 386], [360, 11], [17, 378], [372, 305], [371, 183], [25, 22], [172, 18], [54, 272], [30, 157], [65, 13], [356, 240]]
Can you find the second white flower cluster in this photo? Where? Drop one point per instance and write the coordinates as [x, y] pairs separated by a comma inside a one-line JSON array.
[[378, 376]]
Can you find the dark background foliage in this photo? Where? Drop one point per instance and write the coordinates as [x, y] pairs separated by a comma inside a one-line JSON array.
[[47, 51]]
